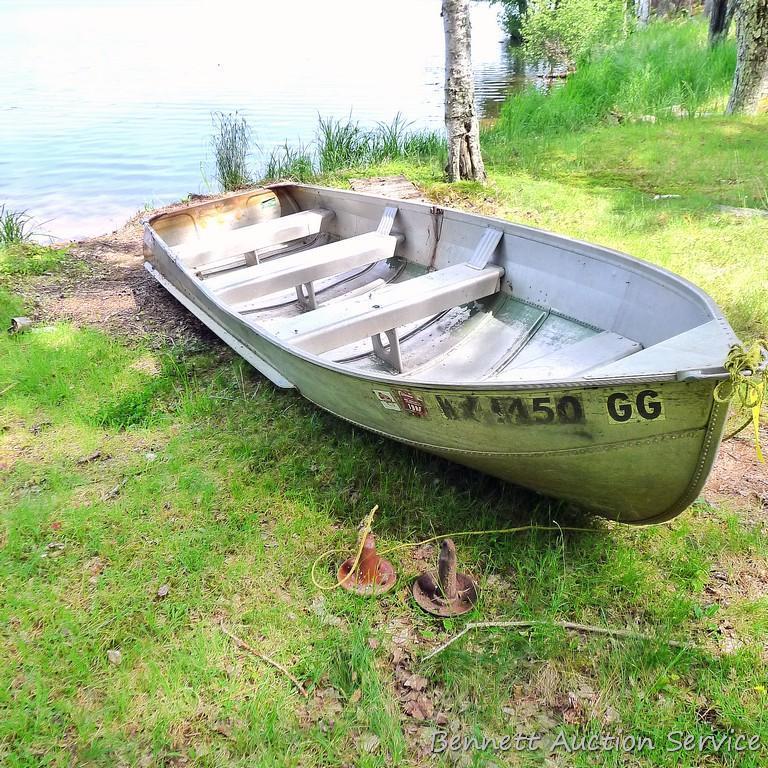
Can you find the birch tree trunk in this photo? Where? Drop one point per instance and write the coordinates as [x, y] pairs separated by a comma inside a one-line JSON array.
[[750, 83], [464, 159], [643, 10]]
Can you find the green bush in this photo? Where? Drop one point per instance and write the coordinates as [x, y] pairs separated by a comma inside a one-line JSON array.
[[568, 29]]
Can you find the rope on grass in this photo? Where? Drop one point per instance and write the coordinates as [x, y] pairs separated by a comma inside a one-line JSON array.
[[747, 383], [366, 524]]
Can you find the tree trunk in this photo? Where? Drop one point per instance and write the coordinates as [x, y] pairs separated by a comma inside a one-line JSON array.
[[464, 159], [643, 9], [750, 83], [720, 17]]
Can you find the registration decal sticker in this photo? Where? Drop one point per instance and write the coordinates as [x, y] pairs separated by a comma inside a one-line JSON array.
[[412, 404], [387, 399]]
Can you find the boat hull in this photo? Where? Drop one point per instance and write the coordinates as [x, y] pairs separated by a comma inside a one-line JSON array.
[[633, 451]]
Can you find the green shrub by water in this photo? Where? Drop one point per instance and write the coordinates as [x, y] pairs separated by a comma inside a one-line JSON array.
[[568, 29], [666, 70]]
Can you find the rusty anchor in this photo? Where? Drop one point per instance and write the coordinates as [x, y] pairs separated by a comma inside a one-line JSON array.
[[373, 576], [452, 593]]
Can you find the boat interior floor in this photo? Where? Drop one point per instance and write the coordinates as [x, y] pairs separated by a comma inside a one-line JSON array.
[[355, 302]]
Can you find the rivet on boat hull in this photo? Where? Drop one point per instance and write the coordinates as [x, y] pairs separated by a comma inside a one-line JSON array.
[[452, 593], [373, 576]]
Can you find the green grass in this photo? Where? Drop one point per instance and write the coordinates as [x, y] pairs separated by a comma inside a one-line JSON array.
[[25, 258], [14, 227], [662, 71], [124, 468], [345, 145], [226, 490]]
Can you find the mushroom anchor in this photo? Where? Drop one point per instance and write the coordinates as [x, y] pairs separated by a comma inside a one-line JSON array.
[[373, 576], [452, 593]]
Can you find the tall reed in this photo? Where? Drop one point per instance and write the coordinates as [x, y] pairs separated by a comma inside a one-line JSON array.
[[14, 226], [231, 147], [346, 145]]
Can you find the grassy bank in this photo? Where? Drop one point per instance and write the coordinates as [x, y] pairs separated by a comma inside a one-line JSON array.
[[150, 494], [664, 71]]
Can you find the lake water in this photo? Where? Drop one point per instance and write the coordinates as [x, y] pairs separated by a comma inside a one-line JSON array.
[[105, 105]]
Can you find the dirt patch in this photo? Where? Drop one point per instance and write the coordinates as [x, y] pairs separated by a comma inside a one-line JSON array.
[[105, 286], [738, 477], [741, 578]]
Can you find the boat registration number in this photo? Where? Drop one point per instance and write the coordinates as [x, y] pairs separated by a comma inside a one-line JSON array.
[[621, 407], [524, 410], [634, 407]]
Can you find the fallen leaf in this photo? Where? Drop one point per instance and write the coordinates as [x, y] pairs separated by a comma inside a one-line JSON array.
[[420, 708], [368, 742], [416, 682]]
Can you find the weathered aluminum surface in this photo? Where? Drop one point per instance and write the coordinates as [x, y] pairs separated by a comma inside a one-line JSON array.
[[588, 376]]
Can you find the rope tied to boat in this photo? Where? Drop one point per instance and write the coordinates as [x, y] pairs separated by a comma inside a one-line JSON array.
[[747, 383]]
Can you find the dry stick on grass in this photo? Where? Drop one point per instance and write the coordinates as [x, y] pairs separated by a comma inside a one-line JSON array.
[[263, 656], [628, 633], [8, 388]]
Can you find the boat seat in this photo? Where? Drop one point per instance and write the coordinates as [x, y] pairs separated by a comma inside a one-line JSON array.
[[382, 311], [300, 269], [235, 242]]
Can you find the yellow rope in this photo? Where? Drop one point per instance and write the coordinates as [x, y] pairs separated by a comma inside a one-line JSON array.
[[366, 527], [747, 382]]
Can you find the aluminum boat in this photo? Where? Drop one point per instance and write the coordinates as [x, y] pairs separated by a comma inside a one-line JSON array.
[[568, 368]]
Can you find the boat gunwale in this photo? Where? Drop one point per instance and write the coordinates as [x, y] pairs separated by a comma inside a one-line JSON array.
[[658, 275]]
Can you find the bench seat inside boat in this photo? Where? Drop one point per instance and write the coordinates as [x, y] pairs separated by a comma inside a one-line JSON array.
[[243, 285], [385, 309], [235, 242]]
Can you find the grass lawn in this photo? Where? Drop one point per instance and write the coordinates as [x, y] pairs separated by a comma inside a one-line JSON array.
[[150, 494]]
